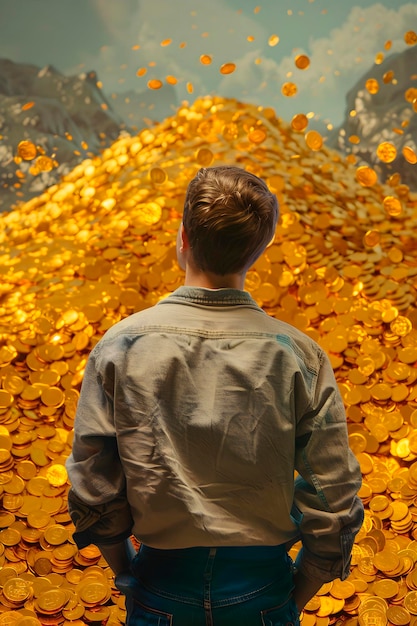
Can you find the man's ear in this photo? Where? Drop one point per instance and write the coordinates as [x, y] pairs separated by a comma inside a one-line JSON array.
[[184, 239]]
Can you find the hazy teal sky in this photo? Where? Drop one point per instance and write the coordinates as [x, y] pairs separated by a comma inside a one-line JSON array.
[[341, 37]]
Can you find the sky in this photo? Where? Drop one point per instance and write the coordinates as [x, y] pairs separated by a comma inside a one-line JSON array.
[[118, 37]]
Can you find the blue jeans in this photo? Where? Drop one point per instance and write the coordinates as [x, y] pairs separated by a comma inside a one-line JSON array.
[[249, 586]]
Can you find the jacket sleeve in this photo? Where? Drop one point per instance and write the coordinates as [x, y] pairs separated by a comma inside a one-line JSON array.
[[326, 506], [97, 500]]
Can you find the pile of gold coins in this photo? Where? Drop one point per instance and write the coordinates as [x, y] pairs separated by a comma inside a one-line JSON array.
[[101, 245]]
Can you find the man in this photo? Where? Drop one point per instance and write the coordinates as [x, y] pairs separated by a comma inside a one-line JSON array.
[[192, 418]]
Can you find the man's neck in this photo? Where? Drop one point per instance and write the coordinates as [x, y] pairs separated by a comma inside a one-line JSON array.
[[208, 280]]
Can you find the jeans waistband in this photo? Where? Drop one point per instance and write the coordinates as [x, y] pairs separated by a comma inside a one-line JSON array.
[[227, 574], [227, 553]]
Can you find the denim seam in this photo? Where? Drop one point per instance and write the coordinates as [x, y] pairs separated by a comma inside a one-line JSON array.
[[215, 603]]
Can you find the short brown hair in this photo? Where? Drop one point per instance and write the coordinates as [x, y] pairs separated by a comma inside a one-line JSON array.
[[229, 218]]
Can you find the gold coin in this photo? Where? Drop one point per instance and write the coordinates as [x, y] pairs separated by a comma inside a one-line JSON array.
[[366, 176], [302, 61], [157, 175], [409, 154], [257, 136], [410, 602], [273, 40], [57, 475], [289, 89], [205, 59], [52, 600], [299, 122], [386, 152], [16, 590], [204, 157], [372, 238], [93, 592], [392, 206], [44, 163], [227, 68], [26, 150], [385, 588], [372, 85], [155, 83], [398, 615], [410, 37], [342, 589]]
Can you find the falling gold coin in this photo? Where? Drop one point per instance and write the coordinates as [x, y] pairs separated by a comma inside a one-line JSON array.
[[410, 38], [379, 57], [302, 61], [388, 76], [141, 71], [44, 163], [257, 136], [154, 83], [392, 205], [171, 80], [27, 106], [366, 176], [157, 175], [409, 155], [273, 40], [314, 140], [411, 94], [205, 59], [299, 122], [372, 85], [372, 238], [204, 157], [386, 152], [227, 68], [166, 42], [289, 89], [190, 87], [26, 150]]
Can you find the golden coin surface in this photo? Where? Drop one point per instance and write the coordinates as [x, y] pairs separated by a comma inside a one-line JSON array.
[[205, 59], [302, 61], [273, 40], [299, 122], [386, 152], [204, 157], [366, 176], [227, 68], [157, 175], [313, 140], [410, 37], [372, 85], [289, 89], [398, 615], [52, 600], [27, 150], [155, 83], [409, 154]]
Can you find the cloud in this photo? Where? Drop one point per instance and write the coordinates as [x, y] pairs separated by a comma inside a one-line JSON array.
[[339, 60], [204, 27], [336, 61]]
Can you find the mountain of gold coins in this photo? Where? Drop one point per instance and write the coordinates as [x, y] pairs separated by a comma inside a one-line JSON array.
[[100, 245]]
